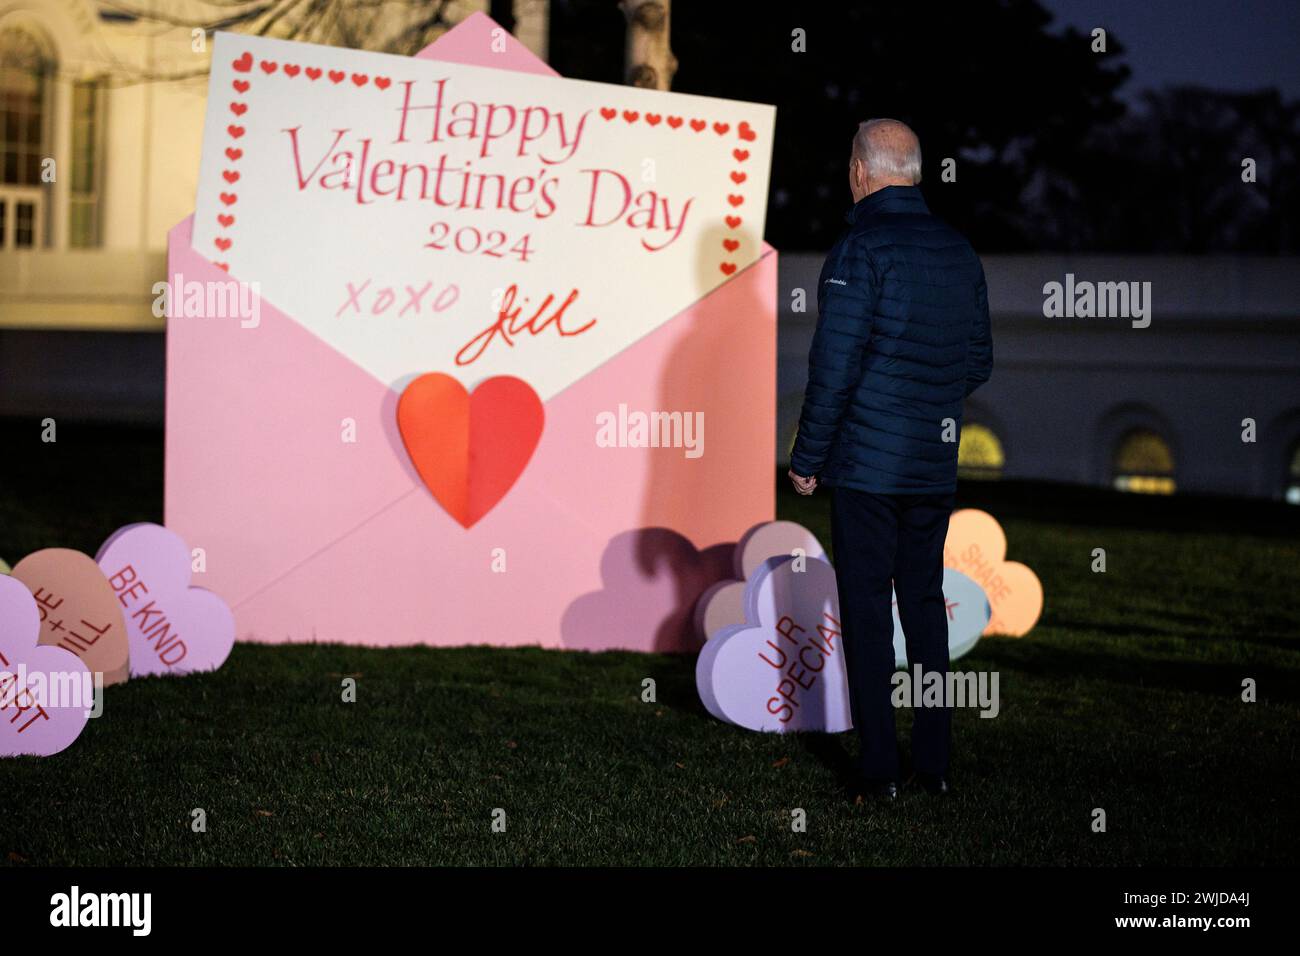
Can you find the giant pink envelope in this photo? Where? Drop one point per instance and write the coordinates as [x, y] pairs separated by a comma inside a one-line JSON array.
[[312, 538]]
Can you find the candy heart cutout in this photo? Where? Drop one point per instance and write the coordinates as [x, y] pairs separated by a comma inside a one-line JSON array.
[[78, 610], [977, 546], [722, 604], [967, 610], [36, 716], [783, 669], [173, 628], [774, 539]]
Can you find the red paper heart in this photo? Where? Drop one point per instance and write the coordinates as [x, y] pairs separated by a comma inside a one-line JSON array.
[[727, 267], [630, 115], [233, 153], [469, 449], [244, 63], [731, 245], [268, 67], [229, 198], [674, 121], [222, 243], [230, 176], [239, 109], [738, 177], [225, 220], [733, 222], [653, 118], [336, 76], [745, 132], [608, 112], [359, 79], [241, 86], [698, 124], [740, 154], [382, 82], [721, 128], [291, 69], [734, 199], [313, 73], [235, 131]]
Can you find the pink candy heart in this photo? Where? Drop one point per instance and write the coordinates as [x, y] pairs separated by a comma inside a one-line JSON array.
[[79, 611], [45, 691], [173, 628]]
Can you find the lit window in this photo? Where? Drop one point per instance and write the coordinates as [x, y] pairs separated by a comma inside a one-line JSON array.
[[1144, 464], [979, 454]]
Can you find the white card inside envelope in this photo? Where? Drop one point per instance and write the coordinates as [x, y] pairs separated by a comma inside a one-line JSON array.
[[549, 225]]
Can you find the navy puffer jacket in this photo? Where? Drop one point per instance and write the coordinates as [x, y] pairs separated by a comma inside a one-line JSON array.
[[902, 338]]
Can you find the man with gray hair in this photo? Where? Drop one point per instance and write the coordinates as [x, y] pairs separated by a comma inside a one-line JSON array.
[[902, 338]]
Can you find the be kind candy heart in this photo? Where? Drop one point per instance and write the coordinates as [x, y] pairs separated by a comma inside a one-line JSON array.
[[967, 611], [79, 611], [783, 669], [173, 628], [976, 546], [45, 691]]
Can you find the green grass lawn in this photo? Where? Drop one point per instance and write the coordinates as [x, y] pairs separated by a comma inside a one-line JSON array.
[[1125, 697]]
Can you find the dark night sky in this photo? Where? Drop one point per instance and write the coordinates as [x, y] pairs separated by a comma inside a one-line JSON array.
[[1233, 45]]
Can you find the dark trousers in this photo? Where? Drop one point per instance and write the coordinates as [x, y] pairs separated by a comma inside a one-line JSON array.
[[876, 539]]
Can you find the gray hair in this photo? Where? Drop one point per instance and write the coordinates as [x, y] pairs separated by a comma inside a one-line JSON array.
[[888, 149]]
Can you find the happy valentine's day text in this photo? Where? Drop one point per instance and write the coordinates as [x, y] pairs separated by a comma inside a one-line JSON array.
[[548, 136]]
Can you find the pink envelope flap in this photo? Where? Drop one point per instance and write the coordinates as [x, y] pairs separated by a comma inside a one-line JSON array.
[[472, 40]]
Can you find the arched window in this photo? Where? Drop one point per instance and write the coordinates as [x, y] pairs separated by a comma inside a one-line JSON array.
[[979, 454], [1293, 477], [1144, 463], [25, 70]]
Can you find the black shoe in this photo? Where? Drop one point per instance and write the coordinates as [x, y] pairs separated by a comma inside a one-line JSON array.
[[935, 784], [874, 790]]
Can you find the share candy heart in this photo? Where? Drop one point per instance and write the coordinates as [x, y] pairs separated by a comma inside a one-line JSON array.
[[173, 628], [78, 610], [783, 669], [977, 547], [44, 691], [967, 611], [469, 449]]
